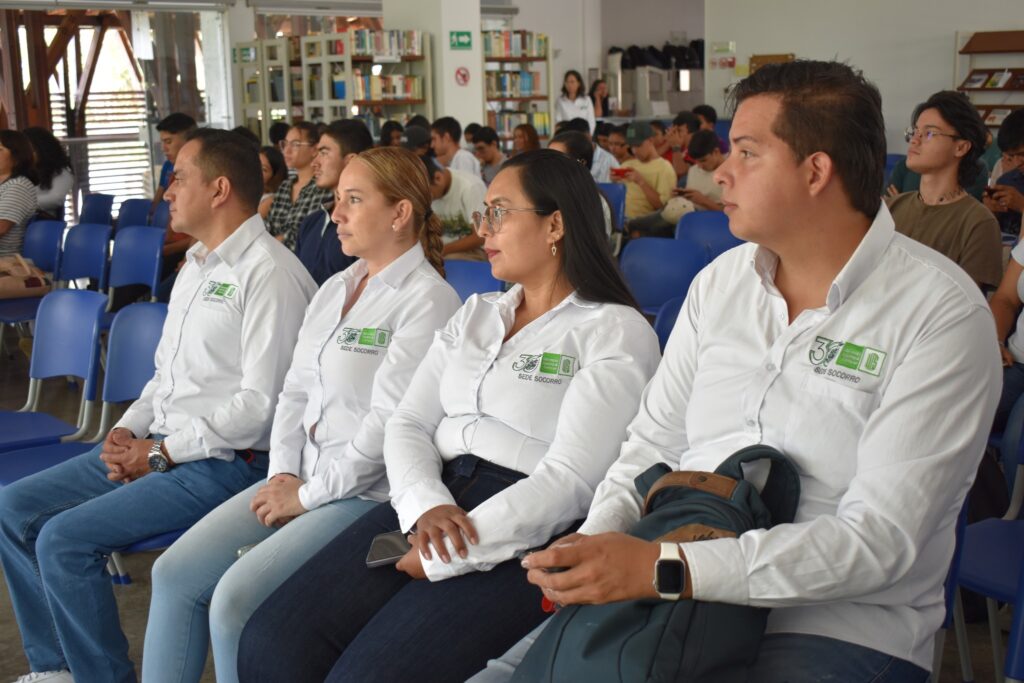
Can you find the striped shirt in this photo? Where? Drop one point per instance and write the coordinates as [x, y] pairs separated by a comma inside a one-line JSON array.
[[17, 204], [285, 217]]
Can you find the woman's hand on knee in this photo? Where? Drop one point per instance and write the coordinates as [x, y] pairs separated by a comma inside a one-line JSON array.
[[439, 522]]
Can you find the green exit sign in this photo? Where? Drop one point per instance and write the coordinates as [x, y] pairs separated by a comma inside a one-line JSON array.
[[460, 40]]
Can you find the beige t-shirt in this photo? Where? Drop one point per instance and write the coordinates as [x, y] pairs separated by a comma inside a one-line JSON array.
[[964, 231], [659, 174]]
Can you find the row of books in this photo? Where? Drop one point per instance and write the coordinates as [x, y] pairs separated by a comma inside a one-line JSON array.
[[513, 84], [387, 43], [334, 48], [505, 121], [391, 87], [994, 116], [515, 44], [1003, 79]]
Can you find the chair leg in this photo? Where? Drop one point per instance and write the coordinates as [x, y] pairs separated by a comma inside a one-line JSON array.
[[996, 636], [120, 573], [940, 642], [962, 646]]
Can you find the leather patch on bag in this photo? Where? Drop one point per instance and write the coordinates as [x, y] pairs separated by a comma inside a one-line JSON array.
[[694, 532], [709, 482]]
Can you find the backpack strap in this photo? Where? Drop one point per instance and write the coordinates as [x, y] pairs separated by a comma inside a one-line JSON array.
[[781, 492], [715, 484]]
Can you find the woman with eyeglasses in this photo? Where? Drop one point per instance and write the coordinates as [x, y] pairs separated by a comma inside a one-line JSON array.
[[509, 424]]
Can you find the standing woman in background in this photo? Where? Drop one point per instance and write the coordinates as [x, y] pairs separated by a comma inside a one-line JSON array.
[[599, 99], [53, 170], [573, 102], [17, 189]]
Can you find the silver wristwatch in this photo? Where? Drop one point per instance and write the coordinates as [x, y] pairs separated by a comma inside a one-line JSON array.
[[158, 462]]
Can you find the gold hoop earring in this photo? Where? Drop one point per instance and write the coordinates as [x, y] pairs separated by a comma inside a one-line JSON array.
[[554, 250]]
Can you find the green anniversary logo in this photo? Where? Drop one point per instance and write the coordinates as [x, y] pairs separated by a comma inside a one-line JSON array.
[[366, 336], [544, 367], [219, 290], [855, 357]]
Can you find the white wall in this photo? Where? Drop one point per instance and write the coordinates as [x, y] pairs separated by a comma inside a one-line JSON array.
[[905, 47], [650, 22], [574, 27]]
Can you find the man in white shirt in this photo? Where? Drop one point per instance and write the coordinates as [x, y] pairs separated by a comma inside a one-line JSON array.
[[836, 340], [603, 162], [457, 195], [445, 134], [197, 435]]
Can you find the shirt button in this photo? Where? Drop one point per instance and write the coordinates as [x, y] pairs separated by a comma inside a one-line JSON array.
[[751, 422], [770, 367]]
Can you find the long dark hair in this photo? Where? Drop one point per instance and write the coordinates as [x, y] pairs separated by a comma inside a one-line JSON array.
[[51, 157], [553, 182], [22, 154], [278, 169], [581, 91]]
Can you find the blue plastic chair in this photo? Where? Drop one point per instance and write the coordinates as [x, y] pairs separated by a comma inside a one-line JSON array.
[[85, 253], [658, 269], [42, 247], [665, 320], [993, 560], [161, 215], [709, 228], [97, 208], [133, 212], [471, 277], [137, 259], [615, 193], [130, 364], [66, 343]]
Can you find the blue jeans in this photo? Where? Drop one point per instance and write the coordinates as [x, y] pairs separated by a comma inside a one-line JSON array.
[[338, 620], [203, 593], [1013, 388], [57, 528], [783, 658]]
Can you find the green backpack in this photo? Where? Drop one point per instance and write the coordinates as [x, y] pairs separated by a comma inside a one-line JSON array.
[[661, 641]]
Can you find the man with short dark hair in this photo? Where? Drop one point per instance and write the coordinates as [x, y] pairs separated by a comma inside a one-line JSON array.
[[649, 178], [196, 436], [317, 244], [684, 125], [947, 139], [416, 139], [456, 195], [838, 341], [708, 117], [618, 146], [174, 130], [487, 148], [445, 134], [1006, 198], [297, 196], [603, 162]]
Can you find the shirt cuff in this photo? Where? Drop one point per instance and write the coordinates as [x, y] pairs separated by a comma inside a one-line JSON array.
[[600, 524], [136, 424], [718, 571], [183, 448], [313, 494], [414, 500]]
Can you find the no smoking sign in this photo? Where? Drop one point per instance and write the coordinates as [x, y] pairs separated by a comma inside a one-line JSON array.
[[462, 75]]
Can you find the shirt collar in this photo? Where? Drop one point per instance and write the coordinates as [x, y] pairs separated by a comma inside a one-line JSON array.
[[862, 263], [508, 302], [395, 273], [230, 250]]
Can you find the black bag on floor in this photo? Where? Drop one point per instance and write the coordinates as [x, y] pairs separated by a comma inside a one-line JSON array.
[[661, 641]]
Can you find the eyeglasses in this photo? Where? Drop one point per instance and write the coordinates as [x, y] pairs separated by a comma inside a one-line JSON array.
[[295, 144], [925, 135], [493, 216]]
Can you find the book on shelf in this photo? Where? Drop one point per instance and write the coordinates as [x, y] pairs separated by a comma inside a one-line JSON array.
[[996, 116], [386, 87], [513, 84], [999, 79], [387, 43], [502, 44], [504, 122], [976, 79], [1017, 83]]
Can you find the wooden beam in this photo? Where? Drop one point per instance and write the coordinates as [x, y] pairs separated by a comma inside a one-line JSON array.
[[59, 45], [127, 42], [13, 94], [37, 95], [85, 81]]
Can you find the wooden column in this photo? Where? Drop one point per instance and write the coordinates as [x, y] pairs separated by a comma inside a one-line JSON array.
[[12, 88], [37, 95]]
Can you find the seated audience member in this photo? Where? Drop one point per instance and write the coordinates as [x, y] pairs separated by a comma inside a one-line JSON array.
[[649, 178], [903, 180], [601, 131], [391, 134], [578, 146], [708, 117], [1006, 308], [947, 136], [524, 139], [416, 140], [573, 103], [274, 172], [17, 190], [769, 348], [469, 137], [297, 197], [174, 130], [1006, 197], [419, 120], [364, 334], [445, 134], [456, 197], [487, 148], [603, 162], [662, 141], [599, 100], [317, 245], [277, 133], [992, 152], [684, 125], [53, 171], [246, 133], [197, 435], [617, 145], [510, 421]]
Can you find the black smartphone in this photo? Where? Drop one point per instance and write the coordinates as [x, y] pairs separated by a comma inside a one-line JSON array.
[[550, 570], [387, 549]]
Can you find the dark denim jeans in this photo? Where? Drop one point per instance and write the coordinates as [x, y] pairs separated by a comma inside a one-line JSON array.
[[1013, 387], [796, 658], [338, 620]]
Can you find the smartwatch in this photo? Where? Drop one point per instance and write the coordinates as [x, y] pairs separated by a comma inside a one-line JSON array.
[[158, 462], [670, 572]]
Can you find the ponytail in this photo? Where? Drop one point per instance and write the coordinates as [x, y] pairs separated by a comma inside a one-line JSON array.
[[430, 238]]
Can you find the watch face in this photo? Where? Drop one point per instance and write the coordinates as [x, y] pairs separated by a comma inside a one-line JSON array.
[[158, 463], [670, 576]]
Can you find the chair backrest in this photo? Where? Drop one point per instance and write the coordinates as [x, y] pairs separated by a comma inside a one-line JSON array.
[[85, 253], [96, 208], [133, 212], [66, 340], [137, 257], [161, 215], [42, 243], [615, 193], [658, 269], [471, 277], [1011, 452], [709, 228], [665, 320], [134, 336]]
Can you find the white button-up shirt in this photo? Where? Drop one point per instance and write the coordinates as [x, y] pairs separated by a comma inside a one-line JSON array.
[[882, 398], [231, 324], [348, 374], [601, 168], [551, 402]]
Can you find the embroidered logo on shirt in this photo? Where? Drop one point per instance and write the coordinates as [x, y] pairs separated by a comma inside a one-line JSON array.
[[846, 355], [544, 367], [364, 340], [219, 291]]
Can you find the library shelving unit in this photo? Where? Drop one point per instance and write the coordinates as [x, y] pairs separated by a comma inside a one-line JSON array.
[[517, 87], [326, 77], [269, 79], [392, 72], [990, 71], [250, 90]]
